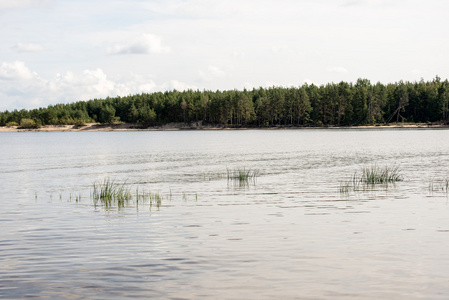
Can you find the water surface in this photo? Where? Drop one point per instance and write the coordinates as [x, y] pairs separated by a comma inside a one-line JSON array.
[[291, 235]]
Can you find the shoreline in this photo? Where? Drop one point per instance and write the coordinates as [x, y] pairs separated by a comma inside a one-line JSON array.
[[197, 126]]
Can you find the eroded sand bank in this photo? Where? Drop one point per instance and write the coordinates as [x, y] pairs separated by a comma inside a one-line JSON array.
[[184, 126]]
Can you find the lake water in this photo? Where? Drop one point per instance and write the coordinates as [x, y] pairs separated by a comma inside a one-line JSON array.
[[291, 234]]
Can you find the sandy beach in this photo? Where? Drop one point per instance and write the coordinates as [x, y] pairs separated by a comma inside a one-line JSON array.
[[191, 126], [107, 127]]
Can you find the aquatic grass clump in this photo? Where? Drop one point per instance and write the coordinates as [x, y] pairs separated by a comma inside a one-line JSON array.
[[242, 177], [109, 192], [242, 174], [377, 175], [112, 194], [154, 198], [370, 177], [144, 196]]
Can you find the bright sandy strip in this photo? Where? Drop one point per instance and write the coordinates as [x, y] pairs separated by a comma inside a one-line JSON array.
[[179, 126]]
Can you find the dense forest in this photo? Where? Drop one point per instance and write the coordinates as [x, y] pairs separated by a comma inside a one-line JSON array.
[[333, 104]]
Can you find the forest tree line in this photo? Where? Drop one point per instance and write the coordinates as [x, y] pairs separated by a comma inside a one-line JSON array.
[[333, 104]]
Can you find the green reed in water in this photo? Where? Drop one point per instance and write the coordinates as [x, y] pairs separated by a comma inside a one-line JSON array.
[[380, 175], [372, 176], [109, 192], [143, 196], [242, 177]]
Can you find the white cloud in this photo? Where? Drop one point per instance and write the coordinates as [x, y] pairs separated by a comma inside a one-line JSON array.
[[191, 8], [21, 47], [147, 87], [132, 83], [243, 10], [337, 70], [177, 85], [91, 84], [23, 88], [248, 85], [365, 2], [272, 84], [98, 82], [238, 54], [6, 4], [16, 70], [144, 44], [281, 49], [212, 72]]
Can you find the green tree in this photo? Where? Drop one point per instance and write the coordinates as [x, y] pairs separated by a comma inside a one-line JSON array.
[[107, 115], [132, 113], [401, 100], [360, 101]]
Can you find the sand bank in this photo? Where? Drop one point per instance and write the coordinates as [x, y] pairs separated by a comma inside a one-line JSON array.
[[191, 126]]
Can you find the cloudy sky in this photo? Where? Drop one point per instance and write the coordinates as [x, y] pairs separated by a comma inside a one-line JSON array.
[[58, 51]]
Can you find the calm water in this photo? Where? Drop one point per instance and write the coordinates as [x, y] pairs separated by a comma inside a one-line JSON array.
[[292, 235]]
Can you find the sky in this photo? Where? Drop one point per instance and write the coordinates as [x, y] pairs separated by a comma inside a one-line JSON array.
[[63, 51]]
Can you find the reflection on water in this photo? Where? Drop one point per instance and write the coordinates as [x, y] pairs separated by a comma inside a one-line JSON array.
[[290, 234]]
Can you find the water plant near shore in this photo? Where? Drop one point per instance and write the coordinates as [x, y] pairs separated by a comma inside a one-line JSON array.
[[372, 176], [109, 192], [143, 196], [242, 177], [380, 175]]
